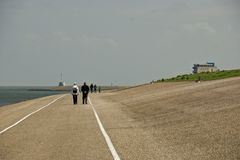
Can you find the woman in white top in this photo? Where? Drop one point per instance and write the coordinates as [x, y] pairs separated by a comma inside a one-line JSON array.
[[75, 92]]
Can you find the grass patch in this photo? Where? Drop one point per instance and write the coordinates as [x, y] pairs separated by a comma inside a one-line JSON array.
[[207, 76]]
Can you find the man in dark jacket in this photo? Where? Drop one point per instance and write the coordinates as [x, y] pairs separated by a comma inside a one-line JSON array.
[[95, 88], [85, 90], [91, 88]]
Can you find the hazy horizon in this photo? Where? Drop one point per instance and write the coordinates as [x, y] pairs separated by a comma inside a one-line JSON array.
[[118, 42]]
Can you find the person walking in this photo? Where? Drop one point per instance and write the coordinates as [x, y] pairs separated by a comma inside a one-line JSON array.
[[95, 88], [75, 92], [91, 88], [99, 89], [85, 90]]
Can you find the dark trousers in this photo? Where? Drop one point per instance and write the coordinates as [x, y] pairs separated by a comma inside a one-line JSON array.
[[84, 98], [75, 99]]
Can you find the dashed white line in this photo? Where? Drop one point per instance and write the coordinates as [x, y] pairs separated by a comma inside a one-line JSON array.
[[1, 132], [107, 138]]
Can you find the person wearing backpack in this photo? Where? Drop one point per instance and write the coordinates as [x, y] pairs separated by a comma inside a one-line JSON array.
[[75, 92]]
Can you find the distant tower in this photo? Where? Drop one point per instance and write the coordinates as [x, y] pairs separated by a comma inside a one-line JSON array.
[[61, 83]]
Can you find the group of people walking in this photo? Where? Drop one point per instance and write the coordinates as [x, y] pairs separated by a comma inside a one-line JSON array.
[[85, 90], [93, 88]]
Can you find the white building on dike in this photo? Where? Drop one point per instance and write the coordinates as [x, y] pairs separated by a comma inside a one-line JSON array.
[[208, 67]]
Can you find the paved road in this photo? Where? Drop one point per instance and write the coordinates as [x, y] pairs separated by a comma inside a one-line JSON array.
[[64, 131], [59, 131]]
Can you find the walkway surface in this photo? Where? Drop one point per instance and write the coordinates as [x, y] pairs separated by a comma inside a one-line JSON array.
[[59, 131]]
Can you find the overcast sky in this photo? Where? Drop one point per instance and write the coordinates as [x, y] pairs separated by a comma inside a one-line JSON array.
[[114, 41]]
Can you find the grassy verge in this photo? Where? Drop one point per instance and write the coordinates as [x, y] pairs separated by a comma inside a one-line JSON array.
[[203, 76]]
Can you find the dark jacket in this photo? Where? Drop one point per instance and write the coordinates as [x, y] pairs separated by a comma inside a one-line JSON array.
[[85, 89]]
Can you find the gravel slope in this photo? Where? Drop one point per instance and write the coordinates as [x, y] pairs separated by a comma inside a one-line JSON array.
[[175, 120]]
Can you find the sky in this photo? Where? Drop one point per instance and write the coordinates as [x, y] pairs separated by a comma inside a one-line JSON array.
[[119, 42]]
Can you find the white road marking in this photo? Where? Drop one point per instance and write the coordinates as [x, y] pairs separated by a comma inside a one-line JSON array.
[[107, 138], [1, 132]]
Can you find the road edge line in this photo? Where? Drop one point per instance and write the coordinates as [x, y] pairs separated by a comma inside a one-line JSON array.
[[25, 117], [107, 138]]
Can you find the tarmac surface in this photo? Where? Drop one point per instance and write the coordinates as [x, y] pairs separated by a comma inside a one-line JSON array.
[[60, 131], [183, 120]]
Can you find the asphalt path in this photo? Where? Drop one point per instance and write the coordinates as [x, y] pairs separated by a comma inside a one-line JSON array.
[[58, 131]]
